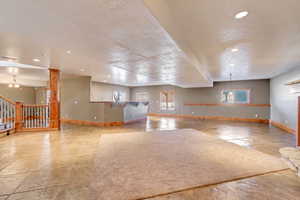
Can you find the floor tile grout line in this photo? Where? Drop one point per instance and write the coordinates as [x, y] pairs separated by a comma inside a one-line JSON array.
[[36, 189], [208, 185]]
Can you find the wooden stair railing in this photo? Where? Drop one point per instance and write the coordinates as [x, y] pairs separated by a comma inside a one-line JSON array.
[[21, 117], [35, 117], [7, 115]]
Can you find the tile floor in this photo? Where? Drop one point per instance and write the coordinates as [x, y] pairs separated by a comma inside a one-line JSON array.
[[56, 165]]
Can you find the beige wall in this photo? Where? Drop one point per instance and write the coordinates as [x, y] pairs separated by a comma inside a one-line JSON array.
[[75, 100], [259, 95], [23, 94], [104, 92], [76, 104]]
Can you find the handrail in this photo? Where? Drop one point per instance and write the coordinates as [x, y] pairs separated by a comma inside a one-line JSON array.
[[8, 100]]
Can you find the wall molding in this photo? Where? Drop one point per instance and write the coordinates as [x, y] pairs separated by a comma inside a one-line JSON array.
[[283, 127], [91, 123], [221, 118], [223, 104], [136, 120]]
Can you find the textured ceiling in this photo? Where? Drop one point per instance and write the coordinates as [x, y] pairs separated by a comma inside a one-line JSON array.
[[185, 43], [111, 40], [267, 39]]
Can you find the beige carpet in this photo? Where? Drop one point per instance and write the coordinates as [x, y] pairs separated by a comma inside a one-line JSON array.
[[136, 165]]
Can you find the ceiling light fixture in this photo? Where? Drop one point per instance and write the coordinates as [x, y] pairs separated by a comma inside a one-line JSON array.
[[13, 70], [241, 15], [231, 65], [69, 52], [36, 60], [14, 83], [234, 50], [82, 70]]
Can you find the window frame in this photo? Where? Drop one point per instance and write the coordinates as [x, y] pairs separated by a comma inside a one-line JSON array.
[[237, 102], [167, 107]]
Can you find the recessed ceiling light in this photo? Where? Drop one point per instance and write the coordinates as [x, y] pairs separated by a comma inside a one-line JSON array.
[[36, 60], [234, 50], [69, 52], [241, 15]]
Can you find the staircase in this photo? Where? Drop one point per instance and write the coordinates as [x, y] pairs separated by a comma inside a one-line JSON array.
[[7, 115], [16, 116]]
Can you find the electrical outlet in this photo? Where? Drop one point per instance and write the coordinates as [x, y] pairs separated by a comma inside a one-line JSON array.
[[75, 102]]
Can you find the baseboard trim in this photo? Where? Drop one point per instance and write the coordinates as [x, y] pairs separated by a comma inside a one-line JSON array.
[[37, 129], [282, 127], [262, 121], [90, 123], [228, 105], [135, 121]]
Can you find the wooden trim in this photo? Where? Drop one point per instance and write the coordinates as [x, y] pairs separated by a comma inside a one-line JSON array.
[[19, 116], [282, 126], [54, 101], [223, 104], [36, 105], [298, 125], [109, 102], [221, 118], [8, 100], [90, 123], [38, 129]]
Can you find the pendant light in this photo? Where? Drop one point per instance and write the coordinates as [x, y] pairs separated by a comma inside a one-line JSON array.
[[14, 84]]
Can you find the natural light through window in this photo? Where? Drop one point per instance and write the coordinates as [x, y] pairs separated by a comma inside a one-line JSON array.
[[167, 100], [236, 96]]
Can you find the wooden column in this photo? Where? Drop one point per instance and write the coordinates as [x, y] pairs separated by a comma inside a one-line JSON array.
[[19, 116], [298, 128], [54, 99]]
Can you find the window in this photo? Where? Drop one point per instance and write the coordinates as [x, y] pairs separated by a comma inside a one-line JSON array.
[[167, 100], [236, 96], [141, 97]]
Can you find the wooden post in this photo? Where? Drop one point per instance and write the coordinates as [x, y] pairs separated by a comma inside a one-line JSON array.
[[19, 116], [298, 128], [54, 99]]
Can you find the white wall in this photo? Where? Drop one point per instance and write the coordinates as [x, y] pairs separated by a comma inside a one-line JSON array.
[[284, 103]]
